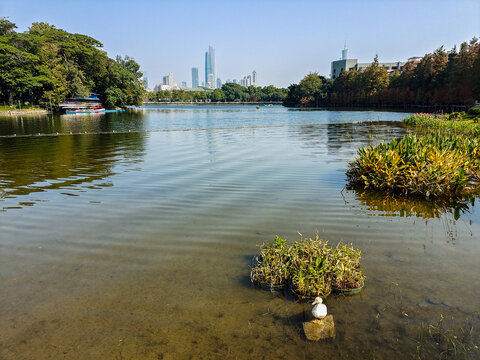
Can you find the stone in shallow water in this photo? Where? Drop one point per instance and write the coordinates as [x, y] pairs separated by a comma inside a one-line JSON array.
[[319, 329]]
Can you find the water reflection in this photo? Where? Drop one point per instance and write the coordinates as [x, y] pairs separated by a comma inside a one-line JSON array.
[[343, 139], [75, 123], [38, 164], [381, 204]]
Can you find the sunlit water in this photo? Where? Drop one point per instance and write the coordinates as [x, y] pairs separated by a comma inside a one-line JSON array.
[[129, 236]]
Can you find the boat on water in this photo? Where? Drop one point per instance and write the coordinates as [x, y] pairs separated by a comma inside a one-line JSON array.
[[85, 105]]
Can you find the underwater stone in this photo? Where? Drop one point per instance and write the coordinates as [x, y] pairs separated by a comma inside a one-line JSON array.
[[319, 329]]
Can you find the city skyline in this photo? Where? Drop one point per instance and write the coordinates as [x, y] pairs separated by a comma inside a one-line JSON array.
[[283, 41]]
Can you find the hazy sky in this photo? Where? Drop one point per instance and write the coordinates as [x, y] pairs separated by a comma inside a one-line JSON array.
[[281, 40]]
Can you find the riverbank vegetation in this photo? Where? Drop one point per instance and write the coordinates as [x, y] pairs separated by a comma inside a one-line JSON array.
[[229, 92], [310, 267], [440, 161], [46, 65], [440, 78], [458, 122]]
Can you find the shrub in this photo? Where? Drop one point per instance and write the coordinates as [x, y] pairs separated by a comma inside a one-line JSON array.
[[474, 110]]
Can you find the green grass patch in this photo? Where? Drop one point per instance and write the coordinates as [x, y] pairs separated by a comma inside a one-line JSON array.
[[455, 122], [16, 108]]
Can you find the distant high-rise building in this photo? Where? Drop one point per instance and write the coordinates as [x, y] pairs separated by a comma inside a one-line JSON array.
[[235, 81], [249, 81], [219, 83], [184, 85], [254, 78], [168, 80], [194, 77], [210, 68], [144, 78]]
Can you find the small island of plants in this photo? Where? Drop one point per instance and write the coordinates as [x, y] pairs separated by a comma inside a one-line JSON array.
[[442, 160], [309, 267]]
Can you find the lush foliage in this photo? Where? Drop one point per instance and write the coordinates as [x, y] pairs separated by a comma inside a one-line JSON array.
[[46, 65], [229, 92], [313, 90], [457, 122], [272, 264], [310, 266], [347, 272], [433, 164], [440, 78]]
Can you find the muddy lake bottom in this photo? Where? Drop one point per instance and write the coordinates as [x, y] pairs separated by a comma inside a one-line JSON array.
[[130, 236]]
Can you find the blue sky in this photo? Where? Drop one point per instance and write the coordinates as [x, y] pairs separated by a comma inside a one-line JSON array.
[[281, 40]]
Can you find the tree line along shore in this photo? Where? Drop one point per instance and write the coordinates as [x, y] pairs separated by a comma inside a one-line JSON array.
[[45, 65]]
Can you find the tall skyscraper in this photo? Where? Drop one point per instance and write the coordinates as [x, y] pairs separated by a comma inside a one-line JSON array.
[[254, 78], [219, 83], [168, 80], [194, 77], [144, 79], [210, 75]]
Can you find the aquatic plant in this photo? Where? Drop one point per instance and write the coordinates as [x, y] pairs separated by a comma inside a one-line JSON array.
[[310, 266], [457, 122], [435, 164], [272, 264], [438, 340], [346, 269]]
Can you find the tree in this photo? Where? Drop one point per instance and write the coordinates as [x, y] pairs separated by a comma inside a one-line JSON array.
[[123, 85], [217, 95], [6, 27], [312, 90]]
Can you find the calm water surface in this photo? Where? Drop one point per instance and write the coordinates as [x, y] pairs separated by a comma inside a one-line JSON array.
[[130, 236]]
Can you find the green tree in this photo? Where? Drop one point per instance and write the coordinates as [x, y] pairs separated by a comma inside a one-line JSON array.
[[217, 95], [6, 27]]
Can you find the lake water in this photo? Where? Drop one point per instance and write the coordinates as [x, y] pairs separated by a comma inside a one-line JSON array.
[[129, 236]]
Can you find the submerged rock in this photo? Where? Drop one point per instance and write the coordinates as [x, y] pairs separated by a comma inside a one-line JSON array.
[[319, 329]]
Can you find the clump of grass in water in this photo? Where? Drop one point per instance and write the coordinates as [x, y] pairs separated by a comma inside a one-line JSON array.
[[272, 264], [310, 266], [435, 165], [447, 343]]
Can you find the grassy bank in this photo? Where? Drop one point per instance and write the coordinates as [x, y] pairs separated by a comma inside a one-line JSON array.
[[441, 161], [458, 122]]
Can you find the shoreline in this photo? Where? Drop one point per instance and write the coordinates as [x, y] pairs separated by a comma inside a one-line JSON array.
[[211, 103], [24, 112]]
